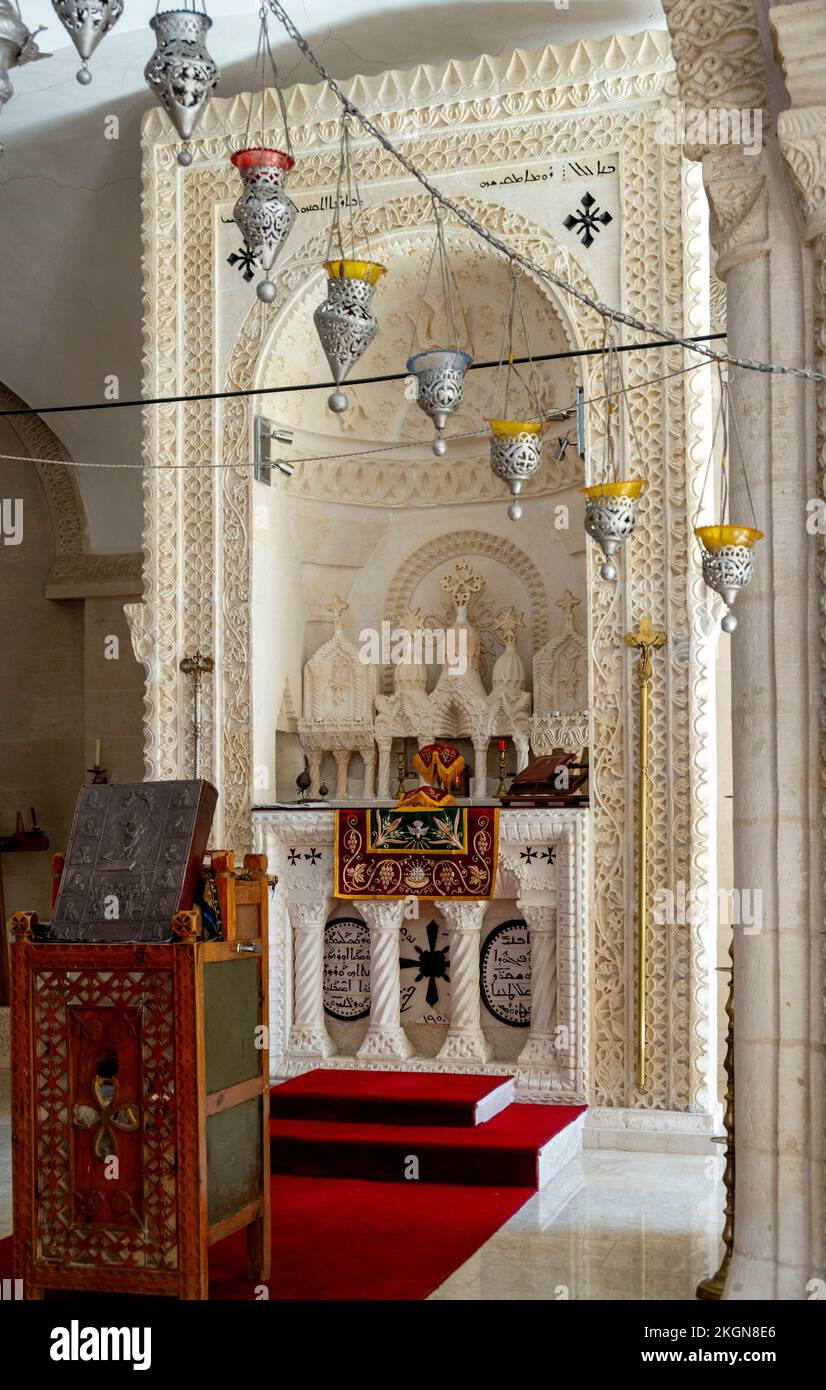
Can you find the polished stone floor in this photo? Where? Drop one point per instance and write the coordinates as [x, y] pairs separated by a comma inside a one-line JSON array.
[[612, 1225]]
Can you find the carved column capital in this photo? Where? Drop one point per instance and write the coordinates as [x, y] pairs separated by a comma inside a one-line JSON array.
[[309, 916], [381, 916], [540, 917], [719, 55], [463, 916], [738, 207], [802, 138]]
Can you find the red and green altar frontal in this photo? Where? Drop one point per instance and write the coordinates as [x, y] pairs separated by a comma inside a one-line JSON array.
[[449, 852]]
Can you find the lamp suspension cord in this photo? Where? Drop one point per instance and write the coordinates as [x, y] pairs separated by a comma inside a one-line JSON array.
[[606, 311]]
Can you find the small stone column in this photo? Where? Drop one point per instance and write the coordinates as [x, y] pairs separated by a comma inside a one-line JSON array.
[[384, 747], [368, 757], [465, 1040], [480, 767], [540, 1048], [385, 1036], [314, 756], [308, 1035], [342, 757]]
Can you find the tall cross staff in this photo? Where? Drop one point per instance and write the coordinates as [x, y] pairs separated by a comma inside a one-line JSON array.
[[645, 639]]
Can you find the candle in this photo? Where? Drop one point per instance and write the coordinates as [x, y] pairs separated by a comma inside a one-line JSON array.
[[501, 745], [97, 752]]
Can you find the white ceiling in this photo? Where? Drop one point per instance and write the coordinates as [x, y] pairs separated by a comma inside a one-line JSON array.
[[70, 227]]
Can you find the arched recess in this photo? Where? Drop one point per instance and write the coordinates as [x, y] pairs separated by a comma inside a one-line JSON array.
[[66, 512], [232, 712]]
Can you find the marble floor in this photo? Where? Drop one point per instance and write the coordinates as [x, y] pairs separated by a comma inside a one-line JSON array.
[[612, 1225]]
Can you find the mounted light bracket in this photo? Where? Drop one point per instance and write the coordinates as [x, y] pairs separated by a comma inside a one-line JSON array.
[[265, 433]]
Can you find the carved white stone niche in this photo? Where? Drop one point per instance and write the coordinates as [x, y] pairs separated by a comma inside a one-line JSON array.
[[479, 118], [542, 871]]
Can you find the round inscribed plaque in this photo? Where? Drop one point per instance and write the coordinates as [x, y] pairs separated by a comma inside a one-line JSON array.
[[347, 969], [505, 973]]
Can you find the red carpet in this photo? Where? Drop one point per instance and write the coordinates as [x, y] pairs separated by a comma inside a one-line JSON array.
[[391, 1098], [350, 1220], [342, 1239], [502, 1153]]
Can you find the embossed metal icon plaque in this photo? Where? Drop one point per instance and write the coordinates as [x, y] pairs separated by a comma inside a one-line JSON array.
[[133, 859]]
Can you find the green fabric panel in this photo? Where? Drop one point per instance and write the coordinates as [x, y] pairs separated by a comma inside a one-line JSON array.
[[231, 1017], [234, 1159]]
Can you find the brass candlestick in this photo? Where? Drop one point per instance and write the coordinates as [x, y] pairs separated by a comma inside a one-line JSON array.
[[502, 789], [400, 772], [645, 639], [712, 1287]]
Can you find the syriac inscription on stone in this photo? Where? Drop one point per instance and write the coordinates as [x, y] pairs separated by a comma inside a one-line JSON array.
[[505, 972]]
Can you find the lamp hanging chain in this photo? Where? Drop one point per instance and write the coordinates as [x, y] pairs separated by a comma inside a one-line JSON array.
[[719, 421], [741, 458]]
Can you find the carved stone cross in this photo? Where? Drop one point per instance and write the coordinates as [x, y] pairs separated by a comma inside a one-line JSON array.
[[338, 607]]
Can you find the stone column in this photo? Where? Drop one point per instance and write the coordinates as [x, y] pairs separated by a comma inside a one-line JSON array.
[[723, 59], [368, 757], [480, 767], [314, 756], [384, 746], [465, 1040], [308, 1035], [342, 757], [540, 1047], [385, 1039]]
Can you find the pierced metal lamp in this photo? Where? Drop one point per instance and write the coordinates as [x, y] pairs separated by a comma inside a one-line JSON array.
[[86, 22], [515, 442], [440, 371], [181, 74], [728, 563], [264, 214], [344, 321], [611, 504]]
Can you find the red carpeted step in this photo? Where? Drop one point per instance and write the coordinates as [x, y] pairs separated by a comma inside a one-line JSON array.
[[391, 1098], [505, 1152]]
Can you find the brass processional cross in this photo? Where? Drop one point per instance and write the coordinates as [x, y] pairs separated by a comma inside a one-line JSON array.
[[645, 638]]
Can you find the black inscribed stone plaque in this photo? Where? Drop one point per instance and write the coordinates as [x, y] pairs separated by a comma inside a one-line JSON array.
[[133, 859]]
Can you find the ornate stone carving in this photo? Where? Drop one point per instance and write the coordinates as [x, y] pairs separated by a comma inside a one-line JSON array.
[[522, 97]]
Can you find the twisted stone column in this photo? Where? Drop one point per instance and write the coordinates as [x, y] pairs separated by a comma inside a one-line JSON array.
[[342, 757], [541, 1046], [383, 789], [385, 1036], [465, 1040], [308, 1035]]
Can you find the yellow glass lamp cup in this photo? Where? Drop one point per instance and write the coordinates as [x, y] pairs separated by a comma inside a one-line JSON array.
[[502, 428], [370, 271], [713, 537], [631, 487]]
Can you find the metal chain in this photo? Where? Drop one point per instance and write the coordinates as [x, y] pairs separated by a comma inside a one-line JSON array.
[[605, 310]]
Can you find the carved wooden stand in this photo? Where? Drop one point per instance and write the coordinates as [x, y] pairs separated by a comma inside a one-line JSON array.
[[140, 1081]]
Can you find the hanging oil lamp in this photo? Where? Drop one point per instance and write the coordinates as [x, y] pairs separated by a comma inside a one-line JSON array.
[[515, 443], [345, 322], [440, 371], [181, 74], [611, 505], [263, 213], [86, 22], [727, 558]]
